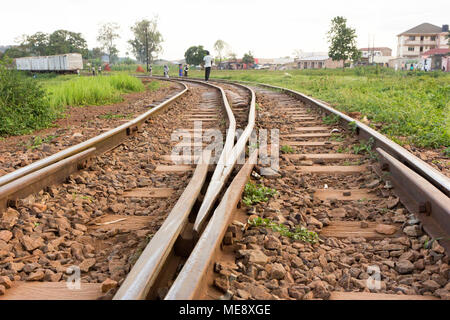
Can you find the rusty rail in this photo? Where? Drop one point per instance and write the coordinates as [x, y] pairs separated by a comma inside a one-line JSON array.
[[36, 176], [189, 282], [144, 276], [436, 178], [146, 270], [420, 197]]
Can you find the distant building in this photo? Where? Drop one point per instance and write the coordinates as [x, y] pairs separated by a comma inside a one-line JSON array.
[[376, 55], [318, 62], [376, 52], [426, 36]]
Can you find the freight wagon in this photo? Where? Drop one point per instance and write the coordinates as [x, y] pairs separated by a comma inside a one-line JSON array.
[[70, 62]]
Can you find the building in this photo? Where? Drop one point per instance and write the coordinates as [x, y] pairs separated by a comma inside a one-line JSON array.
[[376, 55], [318, 62], [426, 36], [376, 52], [437, 59]]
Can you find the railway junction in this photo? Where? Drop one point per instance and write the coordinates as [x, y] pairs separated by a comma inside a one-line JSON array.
[[225, 190]]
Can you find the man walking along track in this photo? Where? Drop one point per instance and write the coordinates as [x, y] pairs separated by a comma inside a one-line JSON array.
[[208, 63]]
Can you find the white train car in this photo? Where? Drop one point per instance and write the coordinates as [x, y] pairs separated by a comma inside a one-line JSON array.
[[69, 62]]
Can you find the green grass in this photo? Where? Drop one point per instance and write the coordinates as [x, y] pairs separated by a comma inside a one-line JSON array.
[[409, 107], [80, 91]]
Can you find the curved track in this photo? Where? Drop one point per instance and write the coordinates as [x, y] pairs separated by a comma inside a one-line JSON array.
[[188, 209]]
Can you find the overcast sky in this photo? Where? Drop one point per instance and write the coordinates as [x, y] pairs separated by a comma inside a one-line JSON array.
[[269, 28]]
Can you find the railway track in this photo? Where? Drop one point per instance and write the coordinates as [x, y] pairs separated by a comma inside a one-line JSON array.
[[368, 209], [185, 232]]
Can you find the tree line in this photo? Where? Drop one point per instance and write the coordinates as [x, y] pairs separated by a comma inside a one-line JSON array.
[[145, 46]]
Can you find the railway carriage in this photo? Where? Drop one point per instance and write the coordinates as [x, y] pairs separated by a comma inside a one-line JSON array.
[[64, 63]]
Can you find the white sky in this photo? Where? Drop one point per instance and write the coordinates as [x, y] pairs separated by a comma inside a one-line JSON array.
[[269, 28]]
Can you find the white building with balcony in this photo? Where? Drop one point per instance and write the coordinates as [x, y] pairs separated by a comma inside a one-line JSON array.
[[426, 36]]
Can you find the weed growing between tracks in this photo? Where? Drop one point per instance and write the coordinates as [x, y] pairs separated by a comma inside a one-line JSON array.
[[298, 233], [254, 194]]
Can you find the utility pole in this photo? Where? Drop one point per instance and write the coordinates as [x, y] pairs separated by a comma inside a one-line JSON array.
[[146, 46]]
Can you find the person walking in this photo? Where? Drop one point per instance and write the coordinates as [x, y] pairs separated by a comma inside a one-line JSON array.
[[180, 70], [93, 70], [186, 70], [100, 70], [150, 70], [208, 63], [166, 71]]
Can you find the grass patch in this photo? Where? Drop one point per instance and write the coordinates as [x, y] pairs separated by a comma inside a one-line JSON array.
[[287, 149], [37, 141], [81, 91], [110, 116], [254, 194], [331, 119], [299, 233]]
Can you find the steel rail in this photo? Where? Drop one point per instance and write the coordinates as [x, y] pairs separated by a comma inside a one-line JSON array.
[[147, 268], [193, 275], [227, 159], [10, 192], [435, 177], [420, 197], [224, 174], [144, 274], [125, 129]]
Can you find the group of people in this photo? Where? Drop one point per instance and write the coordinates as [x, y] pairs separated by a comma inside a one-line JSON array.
[[207, 60], [180, 70], [94, 70]]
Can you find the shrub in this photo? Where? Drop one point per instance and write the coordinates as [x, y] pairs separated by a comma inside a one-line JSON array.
[[23, 103]]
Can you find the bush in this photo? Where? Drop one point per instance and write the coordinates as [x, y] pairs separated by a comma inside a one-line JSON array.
[[23, 103]]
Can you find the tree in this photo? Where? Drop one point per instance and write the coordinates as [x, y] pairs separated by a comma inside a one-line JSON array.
[[147, 40], [42, 44], [220, 46], [107, 34], [194, 55], [248, 58], [37, 44], [342, 41], [63, 41], [16, 52]]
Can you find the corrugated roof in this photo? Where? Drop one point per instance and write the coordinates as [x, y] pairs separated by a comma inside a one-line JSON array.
[[423, 28], [436, 51]]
